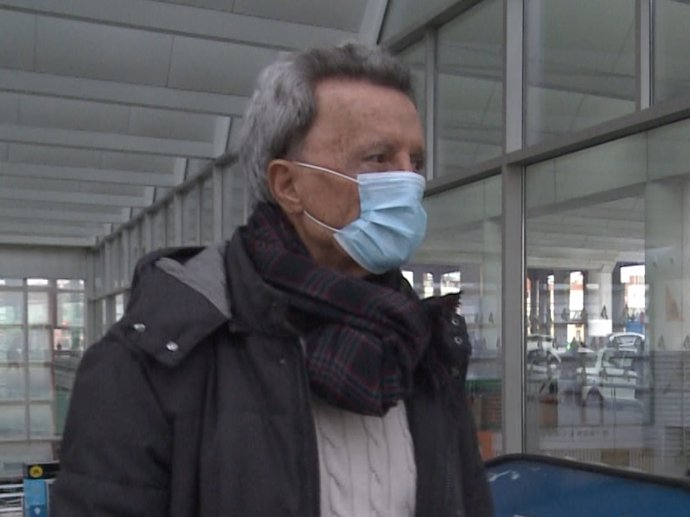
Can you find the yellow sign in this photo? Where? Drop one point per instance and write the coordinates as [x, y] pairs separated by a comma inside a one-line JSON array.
[[35, 471]]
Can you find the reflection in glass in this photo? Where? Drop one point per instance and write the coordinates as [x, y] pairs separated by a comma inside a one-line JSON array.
[[38, 308], [40, 382], [462, 252], [608, 272], [11, 346], [170, 223], [401, 14], [159, 229], [207, 212], [11, 307], [470, 88], [190, 212], [415, 57], [13, 422], [11, 282], [41, 421], [71, 285], [70, 309], [580, 64], [119, 306], [233, 200], [40, 347], [671, 43]]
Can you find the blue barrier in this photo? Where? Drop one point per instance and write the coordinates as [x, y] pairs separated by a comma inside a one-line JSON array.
[[536, 486], [37, 480]]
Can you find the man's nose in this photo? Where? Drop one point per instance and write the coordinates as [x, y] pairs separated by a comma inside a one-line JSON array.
[[404, 162]]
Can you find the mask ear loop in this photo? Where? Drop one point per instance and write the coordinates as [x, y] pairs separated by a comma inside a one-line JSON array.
[[320, 223], [329, 171]]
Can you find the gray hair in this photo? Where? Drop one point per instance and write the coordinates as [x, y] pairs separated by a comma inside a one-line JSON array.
[[283, 107]]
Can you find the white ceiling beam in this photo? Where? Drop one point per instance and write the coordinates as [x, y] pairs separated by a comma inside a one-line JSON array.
[[51, 229], [55, 172], [110, 92], [372, 21], [61, 215], [38, 240], [104, 141], [186, 21], [83, 198]]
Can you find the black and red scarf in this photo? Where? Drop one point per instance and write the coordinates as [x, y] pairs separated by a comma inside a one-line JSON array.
[[366, 340]]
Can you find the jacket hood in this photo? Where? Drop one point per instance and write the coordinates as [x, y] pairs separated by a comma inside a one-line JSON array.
[[178, 297]]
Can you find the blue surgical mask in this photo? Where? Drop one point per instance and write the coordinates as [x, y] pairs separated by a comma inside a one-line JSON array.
[[391, 223]]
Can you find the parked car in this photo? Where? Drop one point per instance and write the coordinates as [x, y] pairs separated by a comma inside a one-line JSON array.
[[626, 341], [608, 377], [545, 343]]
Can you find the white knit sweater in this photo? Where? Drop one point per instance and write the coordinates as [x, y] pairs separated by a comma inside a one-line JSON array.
[[367, 466]]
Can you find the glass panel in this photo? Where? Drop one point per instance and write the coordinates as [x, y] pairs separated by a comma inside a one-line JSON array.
[[462, 251], [170, 224], [119, 306], [11, 346], [15, 455], [42, 423], [13, 422], [608, 320], [11, 282], [72, 285], [40, 345], [70, 309], [207, 212], [37, 282], [415, 57], [580, 64], [671, 42], [233, 200], [40, 382], [99, 270], [190, 213], [159, 228], [11, 307], [38, 308], [68, 341], [401, 14], [11, 364], [469, 110]]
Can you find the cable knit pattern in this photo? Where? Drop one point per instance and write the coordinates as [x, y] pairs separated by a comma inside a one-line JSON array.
[[366, 463]]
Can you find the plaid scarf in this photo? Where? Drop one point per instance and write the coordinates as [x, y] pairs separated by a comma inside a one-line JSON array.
[[365, 339]]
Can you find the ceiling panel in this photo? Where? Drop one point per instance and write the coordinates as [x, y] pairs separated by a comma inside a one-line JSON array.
[[172, 124], [17, 36], [72, 114], [335, 14], [48, 155], [9, 108], [96, 51], [137, 162], [224, 68], [11, 182]]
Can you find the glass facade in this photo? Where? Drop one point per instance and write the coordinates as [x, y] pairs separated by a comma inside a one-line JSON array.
[[462, 253], [469, 109], [41, 342], [608, 278], [580, 64], [671, 41], [595, 225]]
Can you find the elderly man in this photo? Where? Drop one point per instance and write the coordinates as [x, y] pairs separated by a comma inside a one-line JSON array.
[[291, 371]]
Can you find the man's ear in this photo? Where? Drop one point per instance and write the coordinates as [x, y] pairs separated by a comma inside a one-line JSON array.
[[282, 177]]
